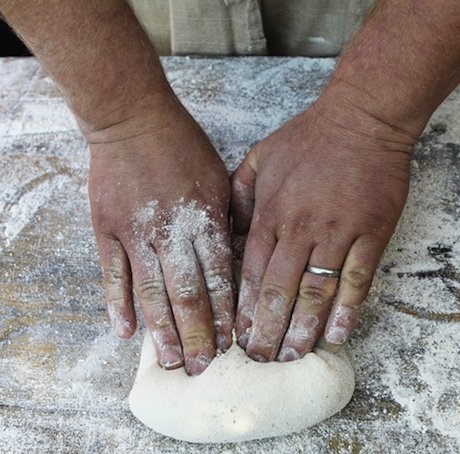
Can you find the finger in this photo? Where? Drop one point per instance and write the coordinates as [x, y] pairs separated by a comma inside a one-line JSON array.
[[215, 257], [309, 316], [117, 281], [355, 281], [189, 301], [259, 248], [313, 301], [159, 319], [276, 299], [243, 189]]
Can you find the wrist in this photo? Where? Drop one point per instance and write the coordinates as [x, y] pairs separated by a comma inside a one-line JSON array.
[[390, 104], [402, 63], [351, 117], [135, 114]]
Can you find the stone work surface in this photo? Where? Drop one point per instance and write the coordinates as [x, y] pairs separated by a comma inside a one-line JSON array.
[[64, 379]]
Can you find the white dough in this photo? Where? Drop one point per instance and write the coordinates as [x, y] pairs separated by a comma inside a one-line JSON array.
[[238, 399]]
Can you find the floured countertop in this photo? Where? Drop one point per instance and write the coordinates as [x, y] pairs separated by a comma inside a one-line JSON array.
[[64, 379]]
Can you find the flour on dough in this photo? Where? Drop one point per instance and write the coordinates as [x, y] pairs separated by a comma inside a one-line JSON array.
[[238, 399]]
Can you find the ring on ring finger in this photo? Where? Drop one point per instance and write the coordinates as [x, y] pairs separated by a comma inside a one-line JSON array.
[[326, 272]]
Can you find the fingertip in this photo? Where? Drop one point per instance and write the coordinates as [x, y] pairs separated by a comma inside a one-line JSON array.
[[260, 347], [243, 326], [171, 358], [340, 324], [122, 326], [355, 281], [257, 356], [243, 339], [223, 341], [288, 354], [337, 336], [196, 365], [248, 294], [125, 333]]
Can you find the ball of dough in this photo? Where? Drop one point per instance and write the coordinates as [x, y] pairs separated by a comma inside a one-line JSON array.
[[238, 399]]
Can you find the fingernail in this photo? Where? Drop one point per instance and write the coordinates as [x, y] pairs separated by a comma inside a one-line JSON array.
[[171, 358], [243, 340], [337, 335], [223, 342], [122, 330], [288, 354], [197, 365], [257, 357]]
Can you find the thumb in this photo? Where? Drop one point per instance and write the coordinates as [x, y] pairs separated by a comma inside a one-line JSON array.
[[243, 193]]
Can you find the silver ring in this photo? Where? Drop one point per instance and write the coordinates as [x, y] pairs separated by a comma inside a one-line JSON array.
[[326, 272]]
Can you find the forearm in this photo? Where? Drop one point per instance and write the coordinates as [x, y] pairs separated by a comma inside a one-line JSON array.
[[403, 62], [97, 53]]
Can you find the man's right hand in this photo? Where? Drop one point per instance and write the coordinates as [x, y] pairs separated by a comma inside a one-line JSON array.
[[159, 192], [159, 195]]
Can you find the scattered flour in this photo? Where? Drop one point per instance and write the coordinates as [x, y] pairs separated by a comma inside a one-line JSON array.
[[18, 209]]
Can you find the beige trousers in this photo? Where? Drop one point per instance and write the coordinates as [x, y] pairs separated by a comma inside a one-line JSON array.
[[250, 27]]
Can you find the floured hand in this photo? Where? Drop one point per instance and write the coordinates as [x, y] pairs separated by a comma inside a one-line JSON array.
[[159, 197], [325, 190]]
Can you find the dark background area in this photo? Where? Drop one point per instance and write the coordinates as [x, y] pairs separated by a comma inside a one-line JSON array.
[[10, 44]]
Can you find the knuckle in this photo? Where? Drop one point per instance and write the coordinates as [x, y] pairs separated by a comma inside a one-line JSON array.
[[296, 229], [185, 294], [358, 278], [332, 225], [196, 339], [113, 273], [217, 271], [116, 301], [381, 226], [275, 297], [314, 294], [263, 225], [218, 280], [151, 291], [275, 290], [188, 303], [163, 323]]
